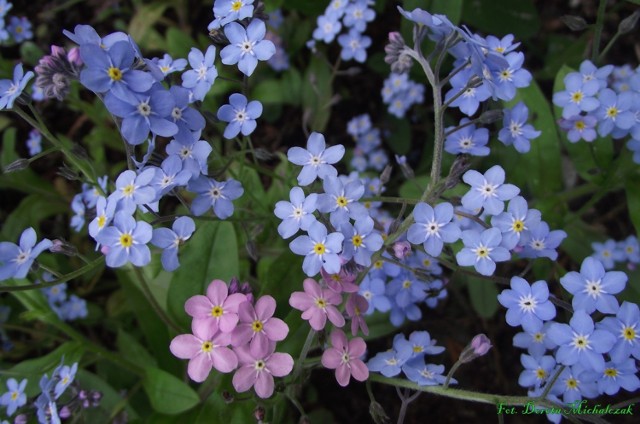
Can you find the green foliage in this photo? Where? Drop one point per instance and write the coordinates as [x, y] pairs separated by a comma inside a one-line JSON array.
[[167, 393]]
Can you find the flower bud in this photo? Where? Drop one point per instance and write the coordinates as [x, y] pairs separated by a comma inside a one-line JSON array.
[[401, 249], [404, 167], [65, 172], [64, 412], [385, 176], [18, 165], [629, 23], [479, 346], [377, 413], [491, 116], [575, 23], [259, 414], [21, 419], [64, 247], [395, 54], [74, 57]]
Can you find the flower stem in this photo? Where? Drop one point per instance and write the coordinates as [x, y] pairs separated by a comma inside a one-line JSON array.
[[595, 48], [303, 354], [154, 303]]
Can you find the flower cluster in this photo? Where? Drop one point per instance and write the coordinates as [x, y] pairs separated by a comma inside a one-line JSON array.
[[368, 153], [18, 28], [601, 101], [400, 93], [67, 307], [353, 15], [610, 252], [231, 332]]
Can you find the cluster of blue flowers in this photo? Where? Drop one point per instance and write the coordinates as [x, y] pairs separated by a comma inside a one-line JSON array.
[[353, 15], [280, 60], [610, 252], [590, 357], [67, 307], [409, 357], [50, 406], [17, 30], [368, 154], [601, 102], [400, 93]]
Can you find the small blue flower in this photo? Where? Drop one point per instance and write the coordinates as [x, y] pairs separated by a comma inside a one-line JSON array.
[[20, 29], [341, 200], [133, 189], [354, 46], [11, 90], [171, 240], [488, 191], [15, 397], [419, 344], [216, 195], [316, 160], [631, 249], [5, 7], [74, 308], [425, 374], [168, 65], [247, 46], [203, 73], [511, 77], [77, 205], [536, 370], [614, 111], [593, 288], [186, 118], [169, 175], [516, 131], [574, 383], [360, 241], [357, 14], [527, 305], [618, 375], [580, 343], [226, 11], [373, 290], [482, 250], [66, 376], [406, 290], [579, 127], [517, 220], [536, 342], [34, 142], [320, 250], [104, 214], [192, 151], [539, 242], [469, 101], [327, 29], [433, 227], [467, 140], [240, 115], [388, 363], [626, 327], [126, 241], [86, 34], [296, 214], [16, 260], [578, 96]]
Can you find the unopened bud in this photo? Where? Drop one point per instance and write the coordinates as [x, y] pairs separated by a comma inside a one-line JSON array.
[[263, 154], [575, 23], [385, 176], [65, 172], [401, 249], [21, 419], [395, 54], [17, 165], [377, 413], [479, 346], [64, 247], [491, 116], [64, 412], [74, 57], [218, 38], [629, 23], [259, 414], [404, 167], [227, 397], [79, 151]]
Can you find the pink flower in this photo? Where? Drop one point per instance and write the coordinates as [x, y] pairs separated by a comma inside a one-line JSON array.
[[344, 357], [317, 304], [258, 370], [218, 309], [356, 305], [258, 326], [206, 348], [340, 282]]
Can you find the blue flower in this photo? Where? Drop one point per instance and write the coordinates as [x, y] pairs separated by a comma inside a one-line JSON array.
[[419, 344], [516, 131], [425, 374], [203, 73], [169, 175], [341, 200], [16, 260], [593, 288], [320, 250], [594, 75], [574, 383], [86, 34], [433, 227], [578, 96], [360, 241], [626, 327], [580, 343], [537, 370], [467, 140], [316, 160], [502, 45], [469, 101], [406, 290], [133, 189], [388, 363], [579, 127], [66, 375], [34, 142], [247, 46], [20, 29], [614, 112], [171, 240], [168, 65], [216, 195], [488, 191], [240, 115], [73, 308], [296, 214], [192, 151], [144, 113], [631, 249], [226, 11], [77, 205], [104, 214], [527, 305], [112, 70], [327, 28], [354, 46], [15, 397], [5, 7], [10, 90], [511, 77], [608, 253], [618, 375], [515, 221], [482, 250], [186, 118], [536, 342], [539, 242], [126, 241], [373, 290], [357, 14]]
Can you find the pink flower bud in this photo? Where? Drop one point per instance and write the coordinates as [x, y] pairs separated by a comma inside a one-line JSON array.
[[74, 57], [479, 346], [401, 249]]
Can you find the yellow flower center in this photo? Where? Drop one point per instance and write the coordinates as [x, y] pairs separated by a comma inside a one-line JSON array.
[[482, 252], [629, 333], [576, 96], [114, 73], [101, 221], [580, 125], [128, 190], [342, 201], [319, 249], [377, 264], [216, 311], [541, 374], [257, 326], [321, 303], [207, 346], [612, 112], [417, 349], [518, 226], [611, 372], [126, 240], [572, 383], [14, 395], [499, 49], [236, 5], [356, 240], [406, 284]]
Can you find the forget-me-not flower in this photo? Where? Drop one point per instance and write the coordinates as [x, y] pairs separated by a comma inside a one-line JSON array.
[[240, 114], [316, 160], [320, 250], [488, 191], [216, 195], [171, 239], [527, 305], [203, 73], [482, 250], [126, 241], [433, 227], [296, 214], [11, 89], [247, 46], [16, 260]]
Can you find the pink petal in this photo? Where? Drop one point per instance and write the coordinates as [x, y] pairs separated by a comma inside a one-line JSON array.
[[335, 316], [276, 329], [232, 302], [217, 292], [359, 370], [224, 360], [338, 339], [259, 346], [331, 358], [204, 328], [265, 307], [311, 287], [244, 378], [198, 306], [185, 346], [244, 356], [357, 347], [228, 321], [246, 312], [264, 385], [199, 367], [241, 335], [280, 364], [317, 320], [343, 374], [332, 297], [301, 301]]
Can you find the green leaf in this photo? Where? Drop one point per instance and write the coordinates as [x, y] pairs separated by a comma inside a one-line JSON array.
[[109, 401], [452, 9], [131, 348], [580, 235], [269, 92], [400, 138], [141, 26], [503, 17], [178, 43], [284, 277], [31, 211], [211, 253], [484, 296], [167, 393], [317, 93]]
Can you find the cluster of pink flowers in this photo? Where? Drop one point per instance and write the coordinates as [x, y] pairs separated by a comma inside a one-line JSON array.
[[232, 332], [319, 304]]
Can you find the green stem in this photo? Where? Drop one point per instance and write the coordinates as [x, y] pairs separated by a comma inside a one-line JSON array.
[[62, 279], [595, 48], [608, 47], [452, 371], [303, 354], [154, 303]]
